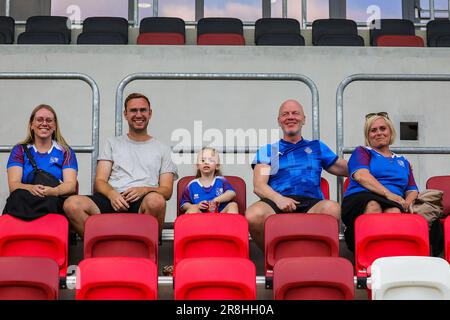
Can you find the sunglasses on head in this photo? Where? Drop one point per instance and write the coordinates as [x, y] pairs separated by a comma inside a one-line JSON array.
[[382, 114]]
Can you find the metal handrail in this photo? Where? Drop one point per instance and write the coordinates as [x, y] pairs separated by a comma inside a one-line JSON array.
[[341, 149], [220, 76], [94, 146]]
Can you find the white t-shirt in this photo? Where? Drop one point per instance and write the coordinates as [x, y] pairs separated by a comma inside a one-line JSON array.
[[137, 163]]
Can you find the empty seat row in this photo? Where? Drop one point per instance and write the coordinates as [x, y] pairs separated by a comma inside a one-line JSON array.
[[225, 31]]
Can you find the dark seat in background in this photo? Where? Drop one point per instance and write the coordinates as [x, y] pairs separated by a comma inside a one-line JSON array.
[[278, 32], [46, 30], [162, 31], [336, 32], [104, 30], [394, 32], [438, 33], [220, 31], [6, 30]]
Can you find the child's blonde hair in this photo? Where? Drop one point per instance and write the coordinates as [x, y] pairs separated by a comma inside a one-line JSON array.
[[217, 172]]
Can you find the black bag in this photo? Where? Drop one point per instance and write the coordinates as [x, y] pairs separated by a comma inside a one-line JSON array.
[[25, 206], [40, 176]]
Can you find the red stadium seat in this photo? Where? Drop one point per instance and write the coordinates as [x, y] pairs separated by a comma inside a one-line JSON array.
[[441, 183], [199, 235], [237, 183], [221, 39], [313, 278], [447, 239], [215, 279], [161, 38], [346, 183], [298, 235], [162, 31], [121, 235], [45, 237], [28, 278], [117, 278], [325, 187], [387, 235], [399, 41]]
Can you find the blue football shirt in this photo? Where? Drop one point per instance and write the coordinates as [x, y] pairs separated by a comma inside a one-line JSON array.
[[295, 169]]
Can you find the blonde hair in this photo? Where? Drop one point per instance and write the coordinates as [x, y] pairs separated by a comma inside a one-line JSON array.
[[218, 172], [56, 135], [371, 120]]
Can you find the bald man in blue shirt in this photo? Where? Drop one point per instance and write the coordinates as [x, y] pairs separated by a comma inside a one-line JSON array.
[[286, 174]]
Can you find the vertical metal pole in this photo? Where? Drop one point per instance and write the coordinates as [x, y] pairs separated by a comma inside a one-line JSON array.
[[284, 9], [304, 14], [8, 8], [431, 9], [155, 8], [267, 8], [199, 9], [136, 13]]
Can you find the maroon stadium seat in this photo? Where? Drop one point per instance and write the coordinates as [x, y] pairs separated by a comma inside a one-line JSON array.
[[28, 278], [220, 31], [45, 237], [447, 239], [380, 235], [215, 279], [237, 183], [399, 41], [325, 187], [162, 31], [441, 183], [121, 235], [199, 235], [313, 278], [298, 235], [117, 278]]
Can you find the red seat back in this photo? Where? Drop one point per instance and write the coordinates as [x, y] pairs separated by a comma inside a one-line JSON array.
[[121, 235], [447, 239], [161, 38], [313, 278], [388, 234], [299, 235], [215, 279], [45, 237], [346, 183], [325, 187], [399, 41], [117, 278], [28, 278], [221, 39], [441, 183], [237, 183], [199, 235]]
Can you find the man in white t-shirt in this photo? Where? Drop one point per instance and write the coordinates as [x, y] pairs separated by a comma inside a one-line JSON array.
[[135, 172]]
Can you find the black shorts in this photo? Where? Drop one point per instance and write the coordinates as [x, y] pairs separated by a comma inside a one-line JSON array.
[[105, 206], [354, 205], [306, 203]]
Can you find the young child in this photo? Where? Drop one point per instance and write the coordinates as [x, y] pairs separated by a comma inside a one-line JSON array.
[[210, 191]]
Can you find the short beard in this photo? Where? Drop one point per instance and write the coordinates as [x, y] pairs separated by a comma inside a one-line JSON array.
[[292, 133]]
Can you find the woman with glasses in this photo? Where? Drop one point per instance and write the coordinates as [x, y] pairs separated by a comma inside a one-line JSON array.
[[380, 180], [30, 198]]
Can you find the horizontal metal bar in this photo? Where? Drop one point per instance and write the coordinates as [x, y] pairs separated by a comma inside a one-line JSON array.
[[220, 149], [79, 149], [221, 76], [409, 150]]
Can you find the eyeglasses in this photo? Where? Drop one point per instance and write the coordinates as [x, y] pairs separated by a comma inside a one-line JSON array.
[[41, 120], [382, 114]]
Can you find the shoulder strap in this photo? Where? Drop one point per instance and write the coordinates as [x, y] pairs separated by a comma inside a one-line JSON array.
[[30, 156]]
